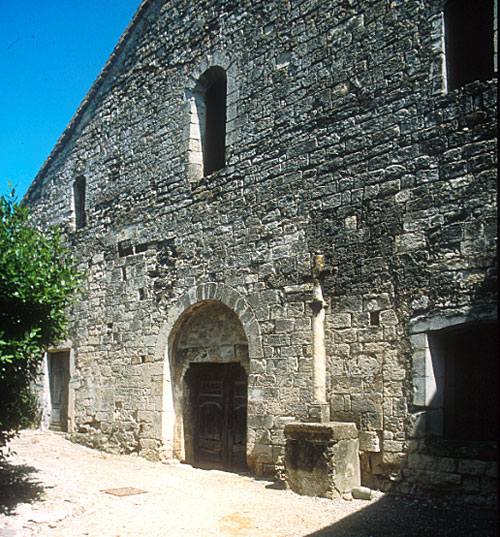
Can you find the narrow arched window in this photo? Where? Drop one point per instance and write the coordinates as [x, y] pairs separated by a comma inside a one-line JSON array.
[[207, 129], [79, 202], [469, 40], [214, 139]]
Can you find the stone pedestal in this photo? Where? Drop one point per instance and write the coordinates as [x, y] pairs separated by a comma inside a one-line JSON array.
[[321, 459]]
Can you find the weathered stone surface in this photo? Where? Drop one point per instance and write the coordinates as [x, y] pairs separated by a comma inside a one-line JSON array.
[[322, 459], [340, 138], [362, 493], [321, 432], [369, 441]]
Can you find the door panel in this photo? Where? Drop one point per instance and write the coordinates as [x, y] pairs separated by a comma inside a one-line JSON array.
[[210, 419], [238, 426], [219, 404], [58, 385]]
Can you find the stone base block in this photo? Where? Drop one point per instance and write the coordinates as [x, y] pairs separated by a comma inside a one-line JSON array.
[[321, 459], [319, 413]]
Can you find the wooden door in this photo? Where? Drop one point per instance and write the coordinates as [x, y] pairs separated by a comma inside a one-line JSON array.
[[210, 423], [238, 426], [58, 385], [219, 402]]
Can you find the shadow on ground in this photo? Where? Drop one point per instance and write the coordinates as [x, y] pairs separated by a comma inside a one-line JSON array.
[[18, 485], [394, 516]]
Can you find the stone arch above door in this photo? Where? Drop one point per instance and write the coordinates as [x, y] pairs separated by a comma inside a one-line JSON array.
[[205, 292], [210, 295], [211, 332]]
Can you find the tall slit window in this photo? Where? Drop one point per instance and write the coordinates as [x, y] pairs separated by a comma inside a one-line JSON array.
[[469, 41], [207, 129], [214, 140], [79, 202]]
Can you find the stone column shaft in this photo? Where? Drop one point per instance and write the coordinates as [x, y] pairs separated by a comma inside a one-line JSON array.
[[319, 346]]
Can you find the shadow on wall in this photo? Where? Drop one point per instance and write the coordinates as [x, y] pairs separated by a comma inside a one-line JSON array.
[[454, 450], [18, 486], [394, 516], [453, 408]]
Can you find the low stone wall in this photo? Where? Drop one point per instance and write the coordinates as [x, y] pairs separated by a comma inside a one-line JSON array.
[[462, 469]]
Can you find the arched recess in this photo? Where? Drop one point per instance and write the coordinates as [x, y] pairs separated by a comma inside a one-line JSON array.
[[203, 308], [211, 98], [209, 370], [79, 188]]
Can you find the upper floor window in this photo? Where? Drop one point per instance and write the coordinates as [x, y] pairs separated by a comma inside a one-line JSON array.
[[207, 147], [79, 202], [214, 139], [469, 41]]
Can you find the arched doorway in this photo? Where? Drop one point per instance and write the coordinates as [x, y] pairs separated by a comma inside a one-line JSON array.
[[209, 370]]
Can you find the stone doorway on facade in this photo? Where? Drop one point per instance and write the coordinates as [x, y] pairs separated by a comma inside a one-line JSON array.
[[58, 368], [209, 369], [217, 415]]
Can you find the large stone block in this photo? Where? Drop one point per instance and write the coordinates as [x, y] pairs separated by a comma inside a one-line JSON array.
[[369, 441], [322, 459]]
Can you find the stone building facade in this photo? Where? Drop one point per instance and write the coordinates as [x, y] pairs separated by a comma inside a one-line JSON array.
[[224, 146]]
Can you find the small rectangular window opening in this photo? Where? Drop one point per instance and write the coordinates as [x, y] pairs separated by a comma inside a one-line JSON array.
[[374, 318], [79, 202]]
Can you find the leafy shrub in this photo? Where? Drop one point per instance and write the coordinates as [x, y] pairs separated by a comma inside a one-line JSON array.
[[37, 283]]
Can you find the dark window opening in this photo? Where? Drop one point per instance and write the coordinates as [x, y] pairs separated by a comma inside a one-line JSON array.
[[374, 318], [470, 382], [468, 41], [125, 249], [214, 138], [79, 200]]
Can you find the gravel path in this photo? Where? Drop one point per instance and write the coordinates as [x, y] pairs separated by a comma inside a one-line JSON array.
[[53, 488]]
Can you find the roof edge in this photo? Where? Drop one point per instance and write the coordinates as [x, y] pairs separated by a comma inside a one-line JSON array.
[[68, 131]]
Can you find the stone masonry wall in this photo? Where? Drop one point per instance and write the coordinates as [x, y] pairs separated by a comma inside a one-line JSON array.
[[340, 139]]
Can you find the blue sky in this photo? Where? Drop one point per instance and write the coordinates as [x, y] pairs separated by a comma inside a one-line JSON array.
[[51, 52]]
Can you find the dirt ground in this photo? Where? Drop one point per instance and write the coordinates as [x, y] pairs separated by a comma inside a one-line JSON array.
[[53, 488]]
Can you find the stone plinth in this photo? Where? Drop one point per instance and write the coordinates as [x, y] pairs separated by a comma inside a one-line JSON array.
[[321, 459]]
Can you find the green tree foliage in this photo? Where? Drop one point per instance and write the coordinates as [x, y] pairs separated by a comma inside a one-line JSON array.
[[37, 283]]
